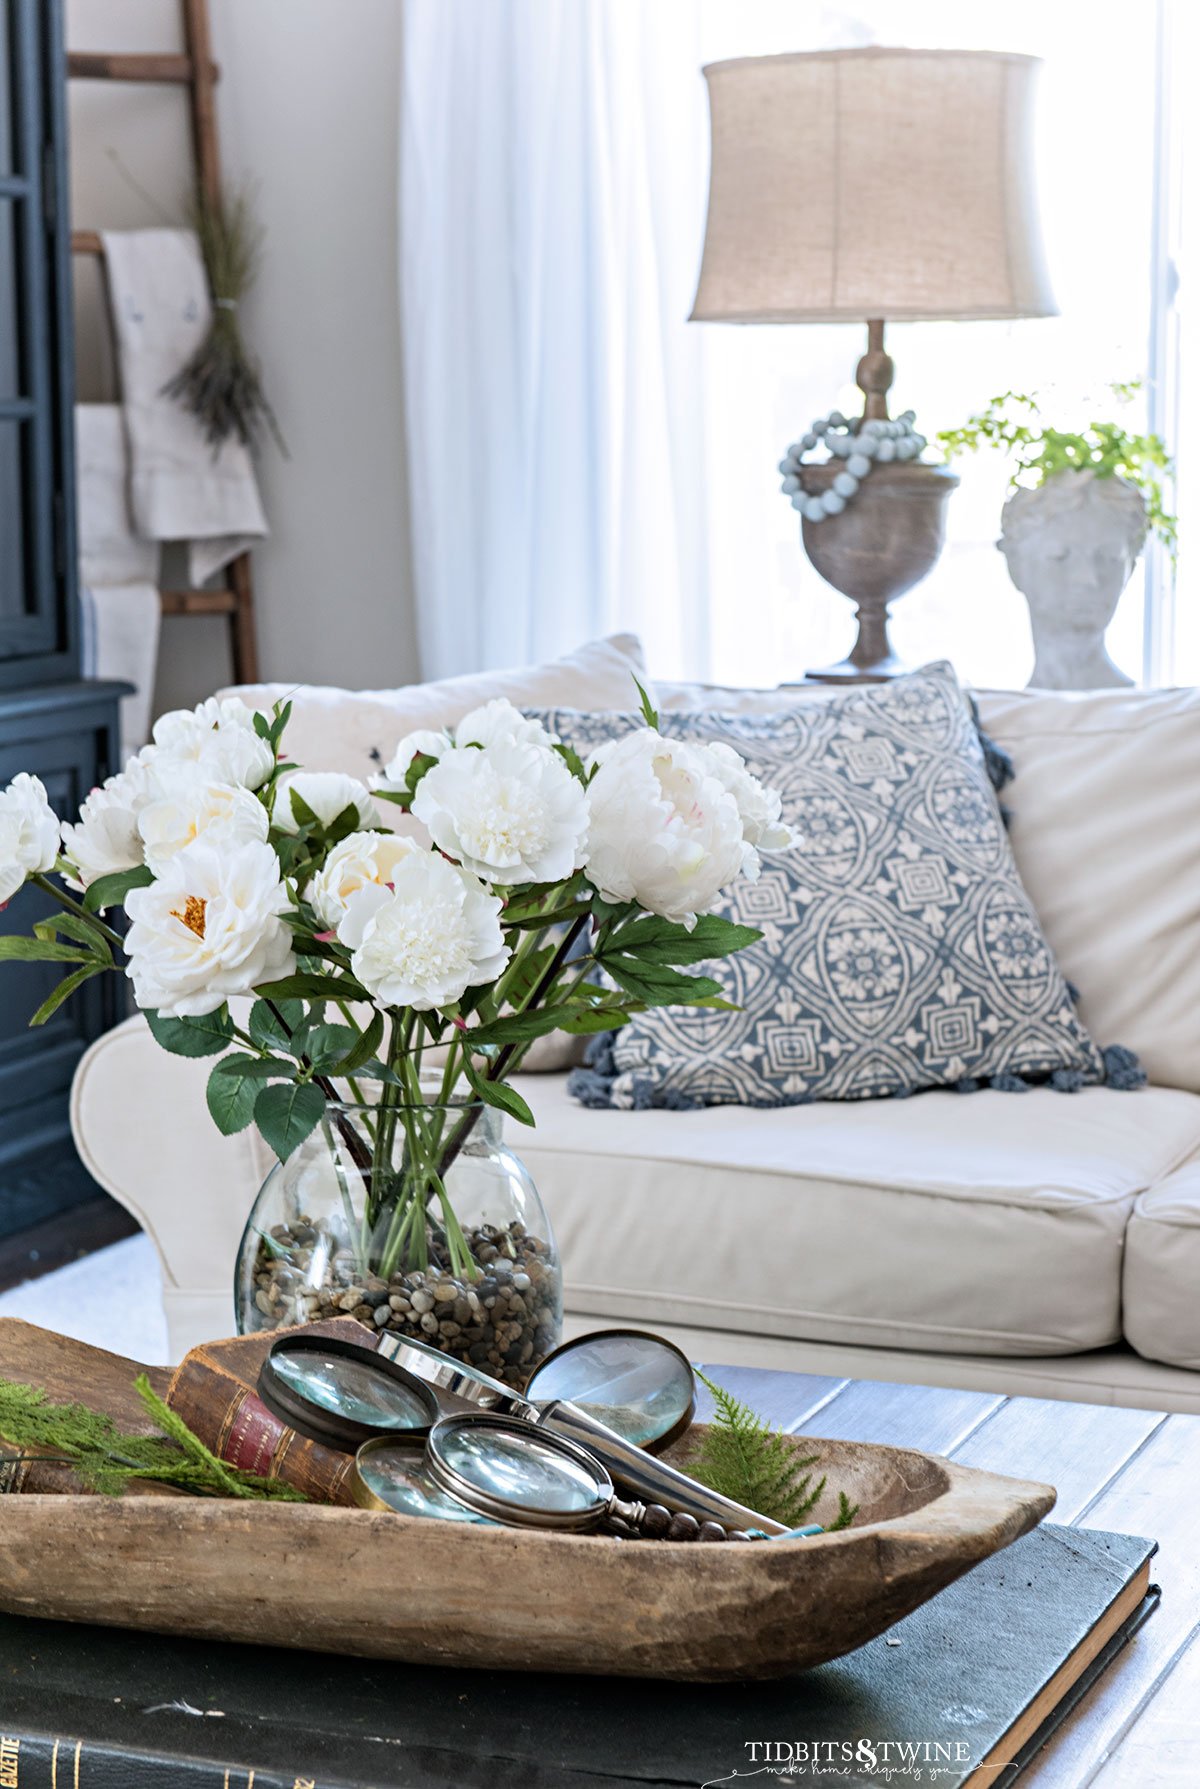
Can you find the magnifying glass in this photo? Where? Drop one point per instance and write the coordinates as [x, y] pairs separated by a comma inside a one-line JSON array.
[[390, 1473], [499, 1469], [638, 1385], [344, 1393]]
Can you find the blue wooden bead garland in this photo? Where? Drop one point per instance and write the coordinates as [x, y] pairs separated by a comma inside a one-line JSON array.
[[860, 445]]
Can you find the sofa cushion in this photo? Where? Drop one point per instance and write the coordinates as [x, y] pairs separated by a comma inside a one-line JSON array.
[[1162, 1270], [356, 731], [899, 949], [989, 1225], [1105, 828]]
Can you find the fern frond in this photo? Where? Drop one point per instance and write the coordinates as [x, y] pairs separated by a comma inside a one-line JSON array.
[[743, 1458]]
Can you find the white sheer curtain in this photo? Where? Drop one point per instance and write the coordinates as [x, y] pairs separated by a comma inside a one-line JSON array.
[[583, 458], [553, 400]]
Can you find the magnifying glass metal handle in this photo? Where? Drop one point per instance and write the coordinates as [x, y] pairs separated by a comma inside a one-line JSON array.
[[644, 1476]]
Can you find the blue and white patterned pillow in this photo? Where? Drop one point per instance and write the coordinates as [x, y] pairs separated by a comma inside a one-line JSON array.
[[899, 950]]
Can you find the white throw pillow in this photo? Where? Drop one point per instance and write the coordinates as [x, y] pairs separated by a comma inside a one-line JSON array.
[[356, 731]]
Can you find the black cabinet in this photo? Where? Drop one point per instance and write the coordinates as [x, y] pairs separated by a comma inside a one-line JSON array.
[[51, 723]]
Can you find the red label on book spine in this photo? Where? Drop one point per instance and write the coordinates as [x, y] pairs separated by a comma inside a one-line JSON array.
[[253, 1437]]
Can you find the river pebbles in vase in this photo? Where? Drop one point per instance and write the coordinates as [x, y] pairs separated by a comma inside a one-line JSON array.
[[504, 1321]]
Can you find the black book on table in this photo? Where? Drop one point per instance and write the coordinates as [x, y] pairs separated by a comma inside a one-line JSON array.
[[968, 1688]]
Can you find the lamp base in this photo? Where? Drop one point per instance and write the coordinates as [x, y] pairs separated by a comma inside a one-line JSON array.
[[878, 547]]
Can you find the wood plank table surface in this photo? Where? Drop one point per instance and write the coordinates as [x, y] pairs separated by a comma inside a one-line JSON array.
[[1135, 1471]]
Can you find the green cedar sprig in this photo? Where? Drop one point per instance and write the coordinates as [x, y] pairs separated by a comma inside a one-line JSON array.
[[743, 1458], [106, 1460]]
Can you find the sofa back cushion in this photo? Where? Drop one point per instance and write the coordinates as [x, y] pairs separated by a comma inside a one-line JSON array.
[[1105, 828], [356, 731]]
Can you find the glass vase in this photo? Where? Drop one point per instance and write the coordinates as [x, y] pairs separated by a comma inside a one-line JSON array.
[[417, 1220]]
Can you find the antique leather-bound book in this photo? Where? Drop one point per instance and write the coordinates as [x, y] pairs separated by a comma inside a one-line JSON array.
[[212, 1389]]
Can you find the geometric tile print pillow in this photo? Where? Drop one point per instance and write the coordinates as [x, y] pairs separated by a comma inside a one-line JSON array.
[[900, 950]]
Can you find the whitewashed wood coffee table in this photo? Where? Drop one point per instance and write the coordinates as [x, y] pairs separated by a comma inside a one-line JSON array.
[[1136, 1471]]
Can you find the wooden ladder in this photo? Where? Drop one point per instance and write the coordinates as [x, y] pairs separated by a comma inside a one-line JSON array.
[[195, 70]]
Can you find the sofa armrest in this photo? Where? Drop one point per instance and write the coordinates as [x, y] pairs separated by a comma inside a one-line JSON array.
[[143, 1130]]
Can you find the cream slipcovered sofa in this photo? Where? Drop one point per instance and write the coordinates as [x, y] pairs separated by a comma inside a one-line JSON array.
[[1037, 1242]]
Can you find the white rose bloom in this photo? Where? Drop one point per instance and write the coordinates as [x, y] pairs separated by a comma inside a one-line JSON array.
[[218, 738], [328, 793], [209, 928], [761, 808], [512, 812], [426, 940], [105, 839], [423, 742], [665, 830], [28, 833], [364, 860], [498, 720], [222, 813]]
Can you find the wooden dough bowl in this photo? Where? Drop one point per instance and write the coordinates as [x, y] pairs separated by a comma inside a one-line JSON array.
[[383, 1586]]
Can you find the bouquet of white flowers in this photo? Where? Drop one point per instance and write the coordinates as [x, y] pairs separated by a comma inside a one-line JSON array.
[[544, 895]]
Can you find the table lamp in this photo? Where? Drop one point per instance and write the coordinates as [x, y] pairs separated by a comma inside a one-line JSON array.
[[864, 185]]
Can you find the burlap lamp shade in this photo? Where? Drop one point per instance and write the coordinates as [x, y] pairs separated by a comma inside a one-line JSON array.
[[849, 184]]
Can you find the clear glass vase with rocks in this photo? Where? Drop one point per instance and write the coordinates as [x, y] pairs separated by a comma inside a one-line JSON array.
[[478, 1277]]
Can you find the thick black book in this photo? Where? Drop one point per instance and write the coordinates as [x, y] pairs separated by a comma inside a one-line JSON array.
[[964, 1691]]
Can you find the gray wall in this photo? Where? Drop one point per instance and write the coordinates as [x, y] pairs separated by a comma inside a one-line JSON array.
[[307, 110]]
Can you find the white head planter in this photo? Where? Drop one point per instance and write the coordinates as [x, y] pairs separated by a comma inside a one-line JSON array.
[[1071, 546]]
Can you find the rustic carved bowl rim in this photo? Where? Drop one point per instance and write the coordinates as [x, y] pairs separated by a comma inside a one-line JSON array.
[[296, 1575]]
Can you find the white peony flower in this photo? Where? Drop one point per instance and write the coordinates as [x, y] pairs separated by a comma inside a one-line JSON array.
[[105, 839], [209, 928], [426, 940], [363, 860], [497, 720], [28, 833], [512, 812], [328, 793], [222, 813], [763, 827], [665, 830], [423, 742], [218, 738]]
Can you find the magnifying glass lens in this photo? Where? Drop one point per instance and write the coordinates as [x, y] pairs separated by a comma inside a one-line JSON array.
[[639, 1386], [394, 1472], [521, 1470], [351, 1389]]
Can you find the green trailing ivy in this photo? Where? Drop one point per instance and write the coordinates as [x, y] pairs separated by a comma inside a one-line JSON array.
[[1013, 422], [105, 1460], [742, 1457]]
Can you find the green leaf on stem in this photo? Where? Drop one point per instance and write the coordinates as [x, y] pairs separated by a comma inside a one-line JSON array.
[[110, 891], [649, 712], [84, 931], [41, 950], [362, 1051], [259, 1068], [658, 985], [556, 916], [499, 1095], [233, 1089], [654, 940], [587, 1021], [519, 1028], [208, 1036], [275, 1030], [285, 1114], [63, 991], [313, 987]]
